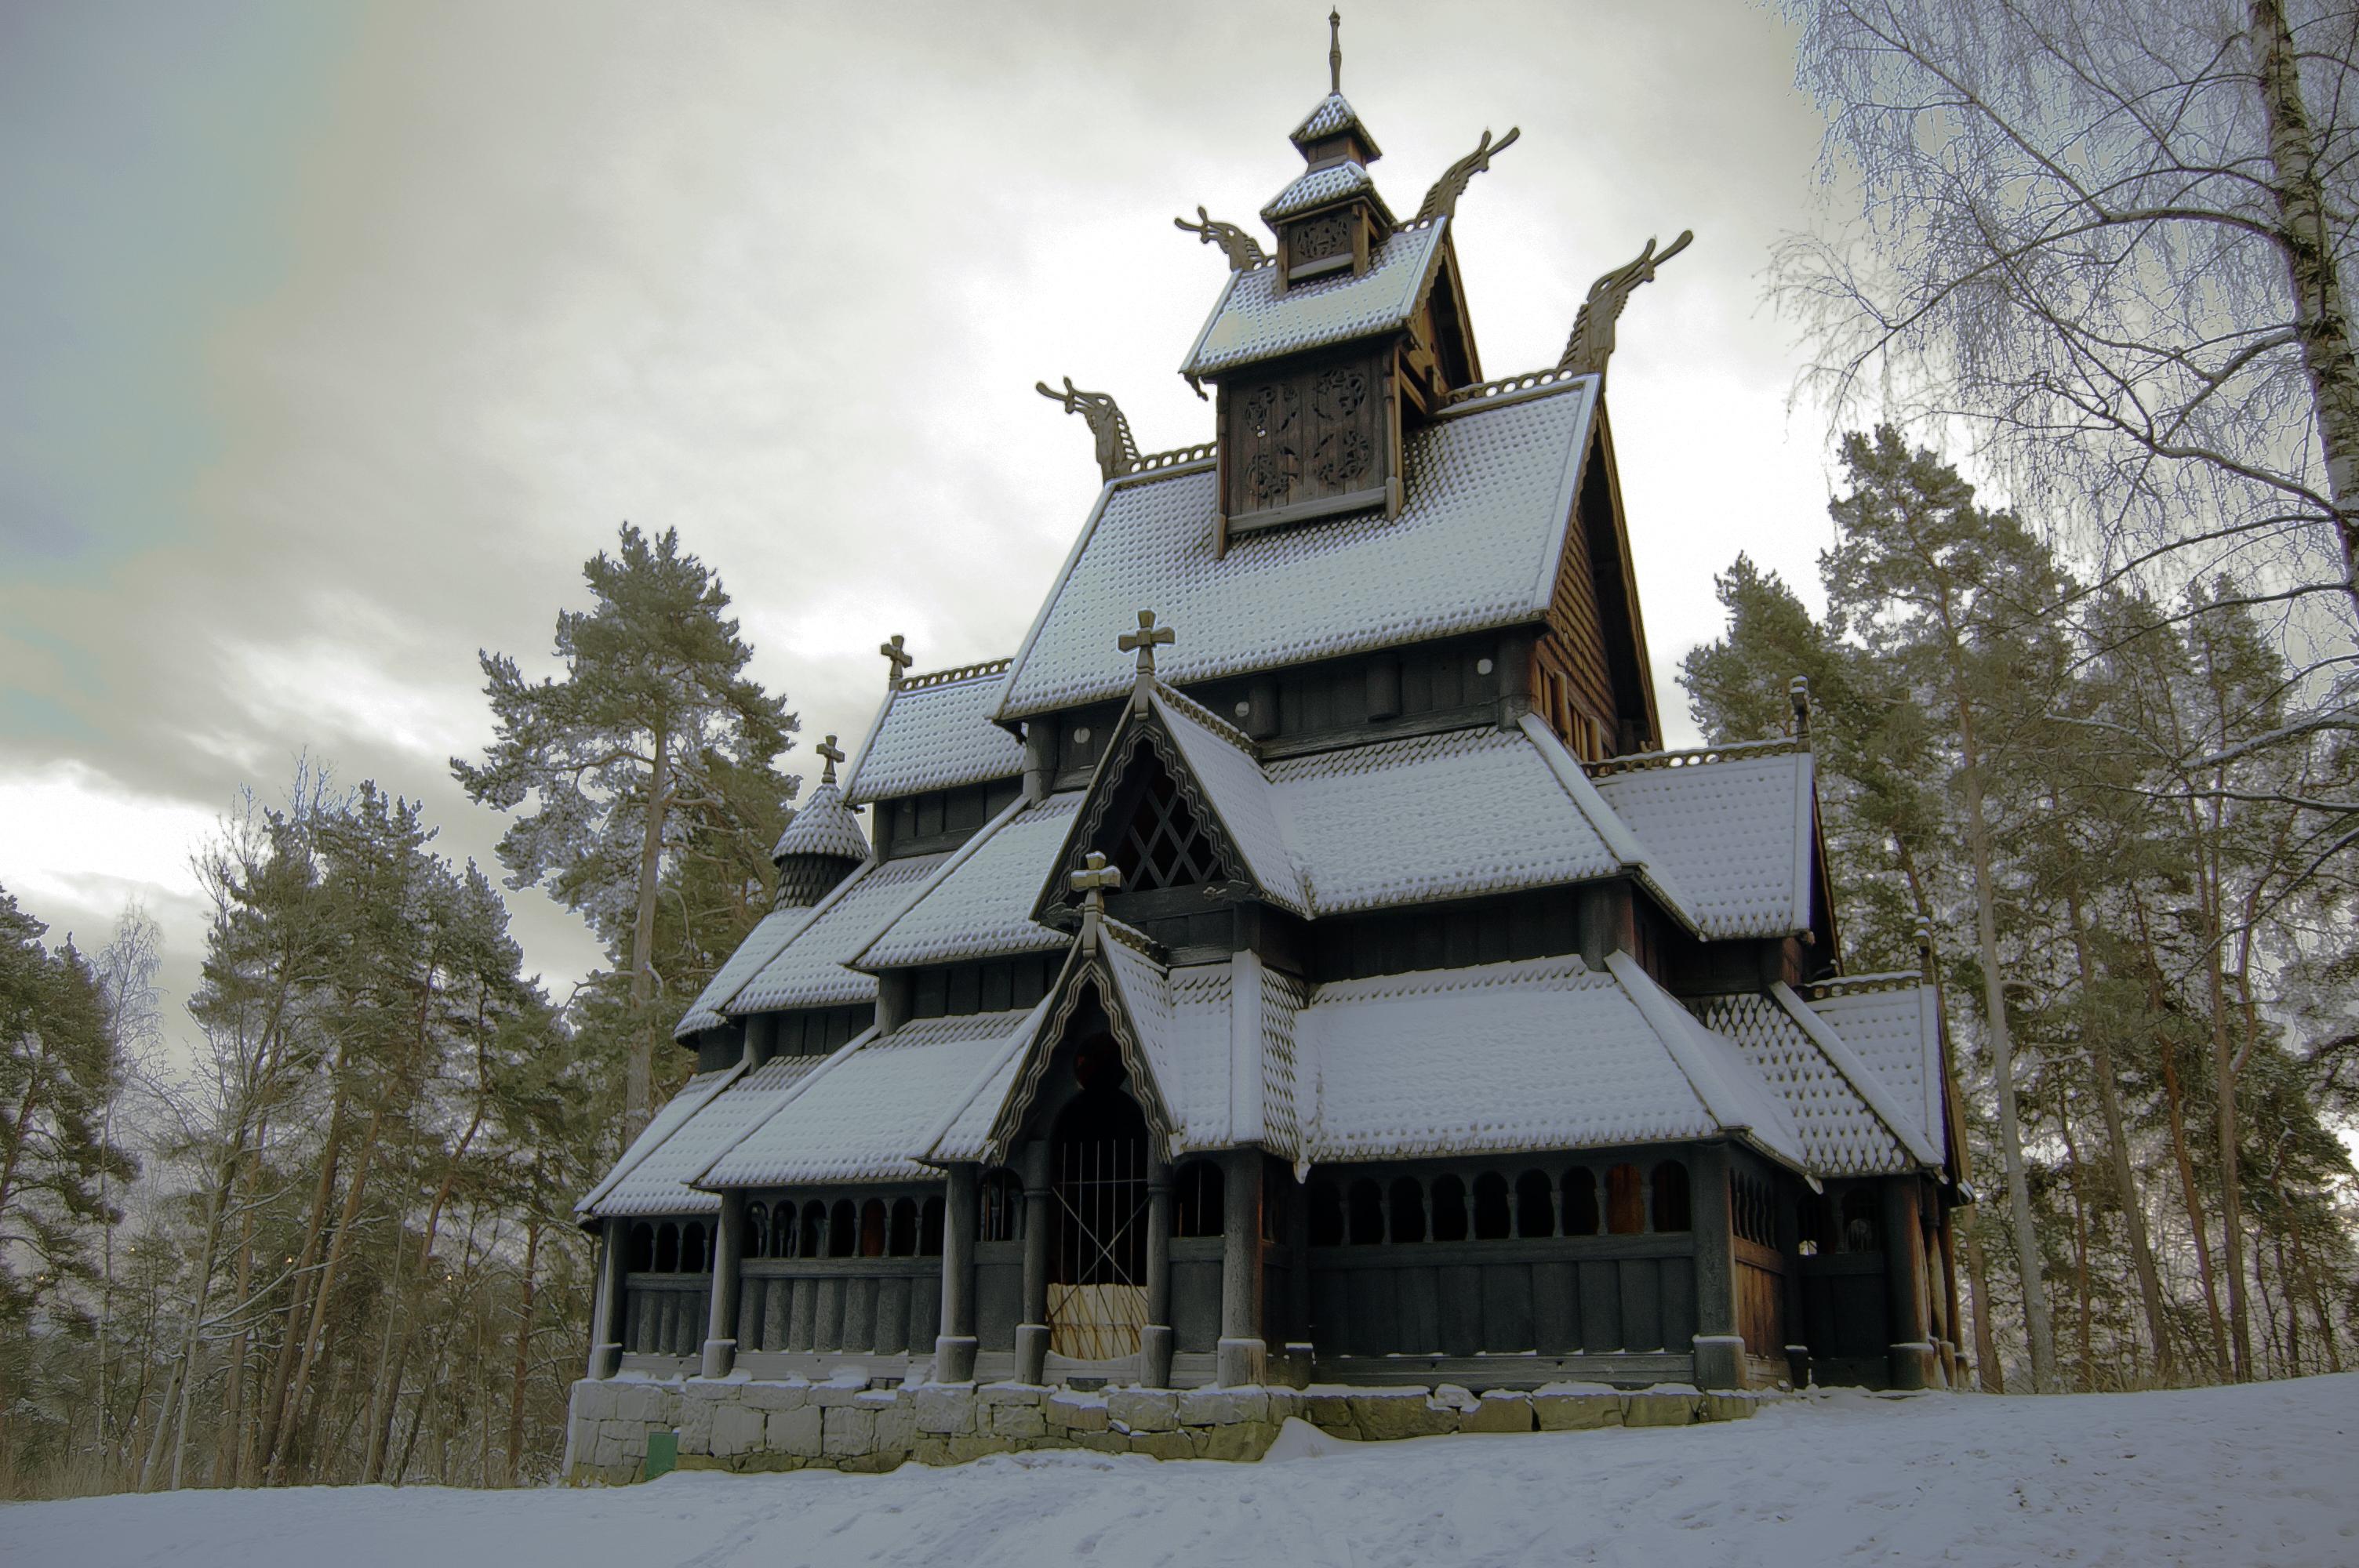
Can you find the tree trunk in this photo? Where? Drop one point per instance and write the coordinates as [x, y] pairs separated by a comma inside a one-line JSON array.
[[524, 1349], [638, 1086], [2175, 1105], [274, 1404], [2321, 324], [2037, 1328], [2224, 1088], [2118, 1156], [1987, 1365], [315, 1335], [2083, 1338]]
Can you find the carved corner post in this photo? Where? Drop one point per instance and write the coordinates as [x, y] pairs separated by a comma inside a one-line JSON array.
[[613, 1306], [721, 1325], [954, 1349], [1904, 1279], [1155, 1341], [1039, 758], [1719, 1348], [1514, 678], [1032, 1332], [1242, 1358]]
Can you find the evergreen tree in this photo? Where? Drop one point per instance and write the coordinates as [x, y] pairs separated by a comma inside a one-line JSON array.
[[654, 714]]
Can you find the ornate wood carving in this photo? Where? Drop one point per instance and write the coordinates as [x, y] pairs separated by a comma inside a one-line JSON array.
[[1442, 201], [1242, 250], [1306, 441], [1118, 453], [1591, 341]]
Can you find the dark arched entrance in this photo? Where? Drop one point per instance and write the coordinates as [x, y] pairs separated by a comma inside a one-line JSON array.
[[1097, 1245]]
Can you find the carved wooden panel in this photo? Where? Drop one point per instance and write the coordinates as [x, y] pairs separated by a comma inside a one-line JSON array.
[[1300, 442]]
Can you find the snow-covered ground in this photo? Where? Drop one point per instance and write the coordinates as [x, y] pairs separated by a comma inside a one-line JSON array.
[[2267, 1474]]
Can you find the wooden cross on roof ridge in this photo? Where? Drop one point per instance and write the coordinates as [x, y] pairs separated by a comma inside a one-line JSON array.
[[1094, 881], [833, 755], [1147, 639], [897, 661]]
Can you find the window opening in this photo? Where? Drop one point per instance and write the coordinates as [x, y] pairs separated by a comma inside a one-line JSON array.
[[1164, 846], [1197, 1199], [1535, 1205], [691, 1249], [1581, 1201], [1670, 1196], [643, 1248], [1367, 1212], [1625, 1201], [1002, 1217], [872, 1228], [1491, 1207], [814, 1229], [758, 1231], [902, 1239], [668, 1249], [1449, 1209], [1861, 1231], [842, 1229], [1326, 1214], [929, 1229]]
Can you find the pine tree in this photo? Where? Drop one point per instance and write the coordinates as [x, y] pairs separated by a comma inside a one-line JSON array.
[[654, 709]]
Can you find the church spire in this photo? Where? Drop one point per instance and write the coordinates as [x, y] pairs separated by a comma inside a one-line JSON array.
[[1335, 52]]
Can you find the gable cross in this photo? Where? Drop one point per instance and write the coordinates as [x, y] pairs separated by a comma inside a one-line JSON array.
[[897, 661], [1147, 639], [826, 749], [1094, 881]]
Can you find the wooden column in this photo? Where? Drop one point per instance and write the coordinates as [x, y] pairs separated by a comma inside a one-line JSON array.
[[721, 1319], [954, 1346], [1789, 1249], [1514, 671], [1299, 1349], [1243, 1355], [1904, 1279], [606, 1332], [1155, 1339], [1032, 1332], [1719, 1348]]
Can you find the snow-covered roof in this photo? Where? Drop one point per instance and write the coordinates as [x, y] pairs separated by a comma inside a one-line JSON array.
[[668, 1119], [771, 933], [1840, 1135], [1892, 1022], [1489, 495], [824, 826], [808, 969], [1730, 829], [982, 906], [934, 731], [1258, 316], [1318, 187], [1241, 796], [870, 1110], [1332, 116], [1541, 1054], [659, 1182]]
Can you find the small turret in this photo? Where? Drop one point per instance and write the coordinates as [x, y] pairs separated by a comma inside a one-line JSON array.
[[823, 843]]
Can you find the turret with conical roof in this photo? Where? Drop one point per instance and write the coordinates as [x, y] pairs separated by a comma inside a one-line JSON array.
[[823, 843]]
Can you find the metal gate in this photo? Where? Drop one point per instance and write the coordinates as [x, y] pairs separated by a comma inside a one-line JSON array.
[[1097, 1274]]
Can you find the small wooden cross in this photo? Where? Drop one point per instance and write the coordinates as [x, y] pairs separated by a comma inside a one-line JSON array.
[[1096, 880], [826, 749], [897, 659], [1146, 639]]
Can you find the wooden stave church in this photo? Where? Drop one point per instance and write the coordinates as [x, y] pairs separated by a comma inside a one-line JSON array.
[[1298, 962]]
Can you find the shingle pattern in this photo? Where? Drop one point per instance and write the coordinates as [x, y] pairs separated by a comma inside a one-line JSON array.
[[824, 826], [665, 1121], [1318, 187], [1731, 1090], [1840, 1135], [1896, 1034], [983, 906], [1526, 1055], [808, 971], [1282, 998], [935, 737], [1242, 795], [660, 1186], [871, 1110], [1733, 836], [1181, 1017], [1255, 321], [1461, 813], [772, 931], [1476, 545], [1332, 116]]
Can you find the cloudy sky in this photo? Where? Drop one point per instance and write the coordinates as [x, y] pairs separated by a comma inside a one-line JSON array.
[[339, 337]]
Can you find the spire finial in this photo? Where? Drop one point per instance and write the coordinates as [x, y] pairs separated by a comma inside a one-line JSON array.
[[1147, 639], [826, 749], [1334, 51], [897, 661]]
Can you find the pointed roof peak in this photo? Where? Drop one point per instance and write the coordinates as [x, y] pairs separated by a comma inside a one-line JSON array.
[[1333, 116], [824, 826]]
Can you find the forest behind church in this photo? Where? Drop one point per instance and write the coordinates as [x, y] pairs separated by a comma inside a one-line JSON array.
[[2099, 743]]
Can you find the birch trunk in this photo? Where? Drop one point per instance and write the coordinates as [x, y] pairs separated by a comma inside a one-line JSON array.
[[2322, 324]]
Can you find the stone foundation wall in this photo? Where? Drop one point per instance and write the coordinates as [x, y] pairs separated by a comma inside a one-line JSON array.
[[734, 1423]]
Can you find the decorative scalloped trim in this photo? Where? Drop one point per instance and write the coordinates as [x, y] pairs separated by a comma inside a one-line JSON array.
[[1092, 821], [953, 677], [1027, 1088]]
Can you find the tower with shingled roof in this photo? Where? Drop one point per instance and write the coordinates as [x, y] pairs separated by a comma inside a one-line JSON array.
[[1299, 961]]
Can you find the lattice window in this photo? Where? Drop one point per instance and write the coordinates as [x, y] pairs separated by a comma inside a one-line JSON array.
[[1165, 846]]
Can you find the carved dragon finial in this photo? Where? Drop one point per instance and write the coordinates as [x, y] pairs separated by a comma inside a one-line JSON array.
[[1242, 250], [1442, 201], [1593, 331], [1335, 52], [1118, 453]]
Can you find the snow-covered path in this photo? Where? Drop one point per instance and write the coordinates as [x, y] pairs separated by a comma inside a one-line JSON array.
[[2267, 1474]]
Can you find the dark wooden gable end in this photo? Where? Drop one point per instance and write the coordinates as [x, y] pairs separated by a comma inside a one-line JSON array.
[[1592, 680], [1150, 817]]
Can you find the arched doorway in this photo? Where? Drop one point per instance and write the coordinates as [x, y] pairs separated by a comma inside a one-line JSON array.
[[1097, 1245]]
